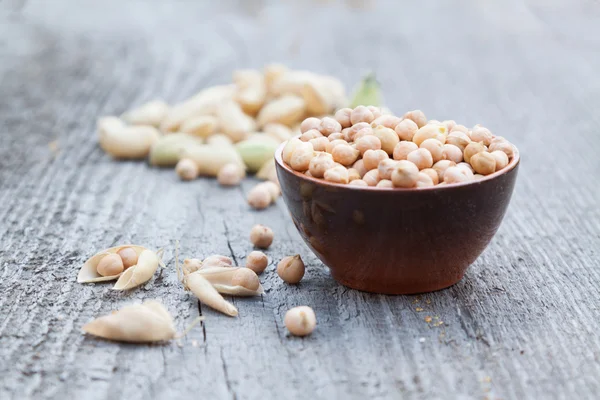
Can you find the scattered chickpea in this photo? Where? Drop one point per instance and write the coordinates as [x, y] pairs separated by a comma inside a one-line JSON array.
[[361, 114], [187, 169], [128, 256], [435, 147], [406, 129], [261, 236], [368, 142], [300, 321], [372, 177], [441, 166], [386, 167], [259, 197], [301, 156], [403, 149], [483, 163], [329, 148], [454, 175], [245, 277], [353, 175], [110, 264], [421, 158], [358, 182], [501, 159], [424, 180], [257, 261], [452, 153], [359, 166], [405, 174], [385, 183], [320, 163], [310, 134], [481, 134], [291, 269], [329, 125], [320, 143], [371, 158], [432, 174], [343, 117], [458, 139], [417, 116], [230, 175], [388, 137], [345, 154], [389, 121], [309, 123], [472, 149], [337, 174]]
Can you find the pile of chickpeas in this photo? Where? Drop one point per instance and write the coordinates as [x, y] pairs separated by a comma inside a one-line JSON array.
[[365, 147]]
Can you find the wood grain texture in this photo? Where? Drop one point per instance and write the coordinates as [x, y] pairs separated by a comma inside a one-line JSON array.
[[522, 324]]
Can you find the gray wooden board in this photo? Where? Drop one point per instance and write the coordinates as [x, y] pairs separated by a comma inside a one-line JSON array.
[[524, 321]]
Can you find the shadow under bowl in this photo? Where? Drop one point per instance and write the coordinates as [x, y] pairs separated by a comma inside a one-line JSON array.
[[397, 241]]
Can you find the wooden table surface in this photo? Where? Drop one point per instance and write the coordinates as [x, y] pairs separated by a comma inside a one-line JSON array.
[[524, 321]]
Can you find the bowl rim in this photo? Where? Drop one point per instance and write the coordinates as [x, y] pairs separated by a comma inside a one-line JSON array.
[[511, 165]]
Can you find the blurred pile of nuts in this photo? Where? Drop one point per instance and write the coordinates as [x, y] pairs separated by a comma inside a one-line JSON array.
[[365, 146]]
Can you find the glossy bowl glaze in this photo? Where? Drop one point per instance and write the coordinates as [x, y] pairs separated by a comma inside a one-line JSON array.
[[397, 241]]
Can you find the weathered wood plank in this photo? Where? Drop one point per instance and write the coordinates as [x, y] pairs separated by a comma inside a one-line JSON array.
[[522, 324]]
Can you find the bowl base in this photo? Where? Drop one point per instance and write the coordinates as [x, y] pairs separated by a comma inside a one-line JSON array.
[[397, 289]]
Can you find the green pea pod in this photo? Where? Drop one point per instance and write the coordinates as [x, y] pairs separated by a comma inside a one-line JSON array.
[[256, 152], [367, 93]]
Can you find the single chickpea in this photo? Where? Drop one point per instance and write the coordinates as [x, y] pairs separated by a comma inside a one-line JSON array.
[[371, 158], [337, 174], [501, 159], [230, 175], [452, 152], [320, 143], [406, 129], [310, 134], [421, 158], [329, 125], [309, 123], [388, 137], [478, 177], [259, 197], [187, 169], [368, 142], [353, 130], [273, 189], [345, 154], [459, 128], [110, 264], [386, 167], [128, 256], [368, 131], [358, 182], [329, 148], [483, 163], [435, 178], [385, 183], [405, 174], [301, 156], [361, 114], [372, 177], [455, 175], [387, 120], [403, 149], [376, 111], [441, 166], [359, 166], [506, 147], [300, 321], [466, 169], [320, 163], [481, 134], [261, 236], [450, 124], [472, 149], [435, 147], [335, 136], [288, 149], [424, 180], [458, 139], [498, 139], [257, 261], [343, 117], [245, 277], [353, 175], [417, 116], [291, 269], [430, 132]]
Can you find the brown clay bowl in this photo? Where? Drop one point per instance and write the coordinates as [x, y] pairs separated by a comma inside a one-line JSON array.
[[397, 241]]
